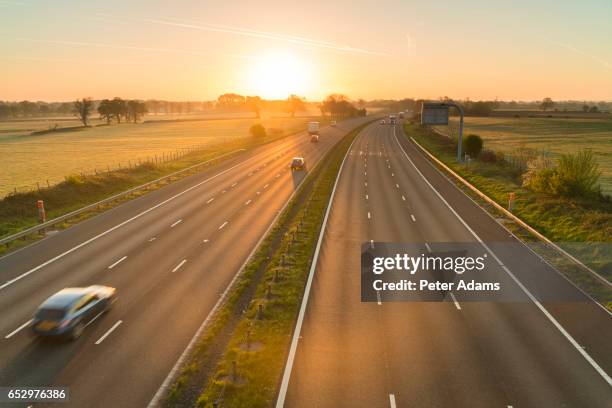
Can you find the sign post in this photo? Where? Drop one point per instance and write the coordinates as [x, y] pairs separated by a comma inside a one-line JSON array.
[[436, 113], [41, 214]]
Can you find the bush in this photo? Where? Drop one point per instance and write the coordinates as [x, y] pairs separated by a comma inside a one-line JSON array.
[[472, 145], [488, 156], [257, 130], [538, 175], [576, 175]]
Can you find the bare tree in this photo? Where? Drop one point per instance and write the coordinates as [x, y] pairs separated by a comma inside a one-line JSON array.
[[82, 109]]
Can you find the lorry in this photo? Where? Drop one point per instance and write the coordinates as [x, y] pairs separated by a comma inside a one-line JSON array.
[[392, 119], [313, 128], [401, 115]]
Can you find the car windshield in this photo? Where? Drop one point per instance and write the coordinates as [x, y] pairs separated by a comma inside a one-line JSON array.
[[297, 161], [50, 314]]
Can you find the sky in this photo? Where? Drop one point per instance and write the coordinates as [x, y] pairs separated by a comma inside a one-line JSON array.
[[197, 50]]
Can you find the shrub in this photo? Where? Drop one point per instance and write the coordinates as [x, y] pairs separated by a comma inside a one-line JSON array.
[[488, 156], [539, 173], [472, 145], [257, 130], [576, 175]]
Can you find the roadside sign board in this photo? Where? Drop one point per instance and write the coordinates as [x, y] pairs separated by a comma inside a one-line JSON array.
[[434, 114]]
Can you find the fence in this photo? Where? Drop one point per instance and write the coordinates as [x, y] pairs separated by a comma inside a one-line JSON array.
[[160, 158]]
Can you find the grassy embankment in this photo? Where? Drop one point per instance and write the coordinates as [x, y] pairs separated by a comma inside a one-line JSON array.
[[583, 227], [273, 279], [18, 211]]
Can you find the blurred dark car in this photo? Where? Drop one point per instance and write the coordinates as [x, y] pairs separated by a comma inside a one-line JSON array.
[[298, 163], [314, 138], [67, 313]]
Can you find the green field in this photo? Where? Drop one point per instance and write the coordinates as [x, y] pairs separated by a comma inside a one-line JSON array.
[[553, 135], [30, 159]]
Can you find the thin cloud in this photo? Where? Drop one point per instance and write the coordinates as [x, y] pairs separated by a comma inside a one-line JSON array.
[[580, 52], [118, 47], [308, 42]]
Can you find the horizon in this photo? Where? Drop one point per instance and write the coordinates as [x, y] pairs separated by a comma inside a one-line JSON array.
[[480, 51]]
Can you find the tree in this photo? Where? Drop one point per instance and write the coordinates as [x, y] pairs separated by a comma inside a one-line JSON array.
[[105, 109], [472, 145], [119, 109], [5, 111], [135, 110], [546, 104], [82, 109], [257, 130], [254, 105], [294, 104], [230, 100], [585, 108]]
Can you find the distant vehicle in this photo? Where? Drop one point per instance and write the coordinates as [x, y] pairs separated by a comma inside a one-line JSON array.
[[69, 311], [401, 115], [382, 122], [298, 163], [332, 123], [392, 119], [313, 128], [314, 138]]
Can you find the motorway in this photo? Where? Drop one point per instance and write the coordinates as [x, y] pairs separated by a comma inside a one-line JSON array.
[[521, 353], [170, 253]]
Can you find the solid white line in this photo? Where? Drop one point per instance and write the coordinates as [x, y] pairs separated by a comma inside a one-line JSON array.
[[17, 330], [248, 202], [372, 243], [546, 313], [428, 247], [413, 219], [177, 267], [378, 298], [117, 262], [223, 225], [108, 231], [176, 223], [101, 339], [210, 201], [282, 394], [392, 400], [457, 305]]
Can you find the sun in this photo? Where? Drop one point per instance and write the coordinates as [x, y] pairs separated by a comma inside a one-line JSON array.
[[276, 75]]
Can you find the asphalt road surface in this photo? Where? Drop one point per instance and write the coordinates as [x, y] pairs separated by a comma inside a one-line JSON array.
[[454, 353], [170, 254]]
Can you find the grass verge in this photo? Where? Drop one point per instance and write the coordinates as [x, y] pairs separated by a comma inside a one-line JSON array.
[[18, 211], [581, 227], [240, 358]]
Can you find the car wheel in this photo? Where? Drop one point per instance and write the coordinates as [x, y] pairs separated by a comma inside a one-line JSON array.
[[77, 331]]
